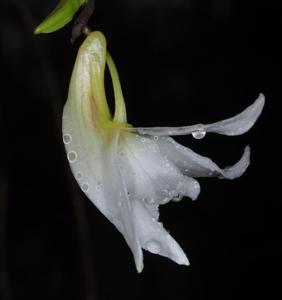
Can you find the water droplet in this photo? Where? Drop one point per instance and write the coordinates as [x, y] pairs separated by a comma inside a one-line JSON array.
[[199, 134], [156, 137], [72, 156], [67, 138], [153, 246], [143, 140], [120, 204], [78, 175], [85, 187]]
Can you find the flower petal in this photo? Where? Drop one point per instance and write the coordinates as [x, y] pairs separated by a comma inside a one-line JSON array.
[[237, 125], [195, 165], [150, 179], [150, 174], [154, 238], [94, 165]]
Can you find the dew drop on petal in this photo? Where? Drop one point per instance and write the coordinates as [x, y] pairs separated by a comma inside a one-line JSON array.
[[156, 137], [153, 246], [85, 187], [199, 134], [120, 204], [67, 138], [72, 156]]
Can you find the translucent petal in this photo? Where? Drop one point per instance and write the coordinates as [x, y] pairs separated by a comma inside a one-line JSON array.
[[150, 180], [195, 165], [150, 175], [237, 125], [154, 238], [93, 164]]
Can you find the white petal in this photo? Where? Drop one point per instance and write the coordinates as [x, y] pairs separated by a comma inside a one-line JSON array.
[[98, 175], [156, 179], [154, 238], [195, 165], [237, 125], [151, 179]]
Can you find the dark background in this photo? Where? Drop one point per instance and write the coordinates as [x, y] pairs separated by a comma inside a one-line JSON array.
[[181, 62]]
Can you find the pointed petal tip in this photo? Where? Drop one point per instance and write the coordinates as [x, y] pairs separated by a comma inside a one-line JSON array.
[[261, 97], [178, 255], [138, 258], [259, 103], [139, 268], [184, 261], [239, 168], [180, 258]]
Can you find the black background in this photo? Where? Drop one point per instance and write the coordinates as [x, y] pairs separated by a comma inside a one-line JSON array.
[[181, 62]]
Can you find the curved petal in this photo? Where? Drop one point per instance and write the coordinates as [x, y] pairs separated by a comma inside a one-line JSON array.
[[94, 165], [195, 165], [150, 175], [154, 238], [237, 125], [150, 180]]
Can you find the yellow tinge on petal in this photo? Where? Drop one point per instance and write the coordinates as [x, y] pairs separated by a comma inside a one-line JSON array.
[[87, 93]]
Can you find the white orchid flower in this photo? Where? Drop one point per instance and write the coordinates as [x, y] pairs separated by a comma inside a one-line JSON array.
[[128, 172]]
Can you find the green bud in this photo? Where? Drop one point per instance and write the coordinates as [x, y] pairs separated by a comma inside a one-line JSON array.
[[60, 16]]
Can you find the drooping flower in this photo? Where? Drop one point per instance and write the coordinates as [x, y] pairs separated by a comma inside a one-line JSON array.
[[128, 172]]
